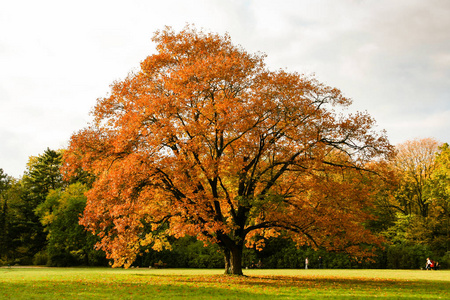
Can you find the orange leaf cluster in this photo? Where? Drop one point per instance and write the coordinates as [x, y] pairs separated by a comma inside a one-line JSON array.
[[205, 141]]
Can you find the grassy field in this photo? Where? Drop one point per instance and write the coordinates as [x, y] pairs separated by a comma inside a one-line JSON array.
[[105, 283]]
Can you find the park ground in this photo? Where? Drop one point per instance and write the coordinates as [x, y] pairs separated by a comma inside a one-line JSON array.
[[107, 283]]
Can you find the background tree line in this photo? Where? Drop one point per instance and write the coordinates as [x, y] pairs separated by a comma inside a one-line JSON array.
[[39, 215]]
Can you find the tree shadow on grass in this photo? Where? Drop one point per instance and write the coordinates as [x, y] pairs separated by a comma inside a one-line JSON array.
[[149, 286], [128, 290], [320, 283]]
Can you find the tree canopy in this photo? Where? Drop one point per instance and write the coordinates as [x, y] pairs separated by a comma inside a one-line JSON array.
[[415, 164], [205, 140]]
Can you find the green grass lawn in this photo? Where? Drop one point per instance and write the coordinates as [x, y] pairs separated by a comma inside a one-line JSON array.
[[106, 283]]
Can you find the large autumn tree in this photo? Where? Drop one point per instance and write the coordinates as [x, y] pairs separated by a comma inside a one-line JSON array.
[[205, 141]]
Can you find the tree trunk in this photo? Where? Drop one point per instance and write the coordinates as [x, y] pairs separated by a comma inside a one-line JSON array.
[[233, 261], [227, 257]]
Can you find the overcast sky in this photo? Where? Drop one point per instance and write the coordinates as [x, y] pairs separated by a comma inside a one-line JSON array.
[[57, 57]]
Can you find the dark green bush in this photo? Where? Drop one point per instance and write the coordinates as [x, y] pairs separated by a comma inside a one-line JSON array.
[[404, 256]]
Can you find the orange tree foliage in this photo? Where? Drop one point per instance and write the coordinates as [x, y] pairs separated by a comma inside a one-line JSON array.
[[204, 140]]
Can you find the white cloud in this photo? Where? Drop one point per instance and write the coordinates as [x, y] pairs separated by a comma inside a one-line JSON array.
[[57, 57]]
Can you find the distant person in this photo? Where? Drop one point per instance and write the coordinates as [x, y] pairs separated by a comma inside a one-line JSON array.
[[320, 262], [306, 263], [428, 264]]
